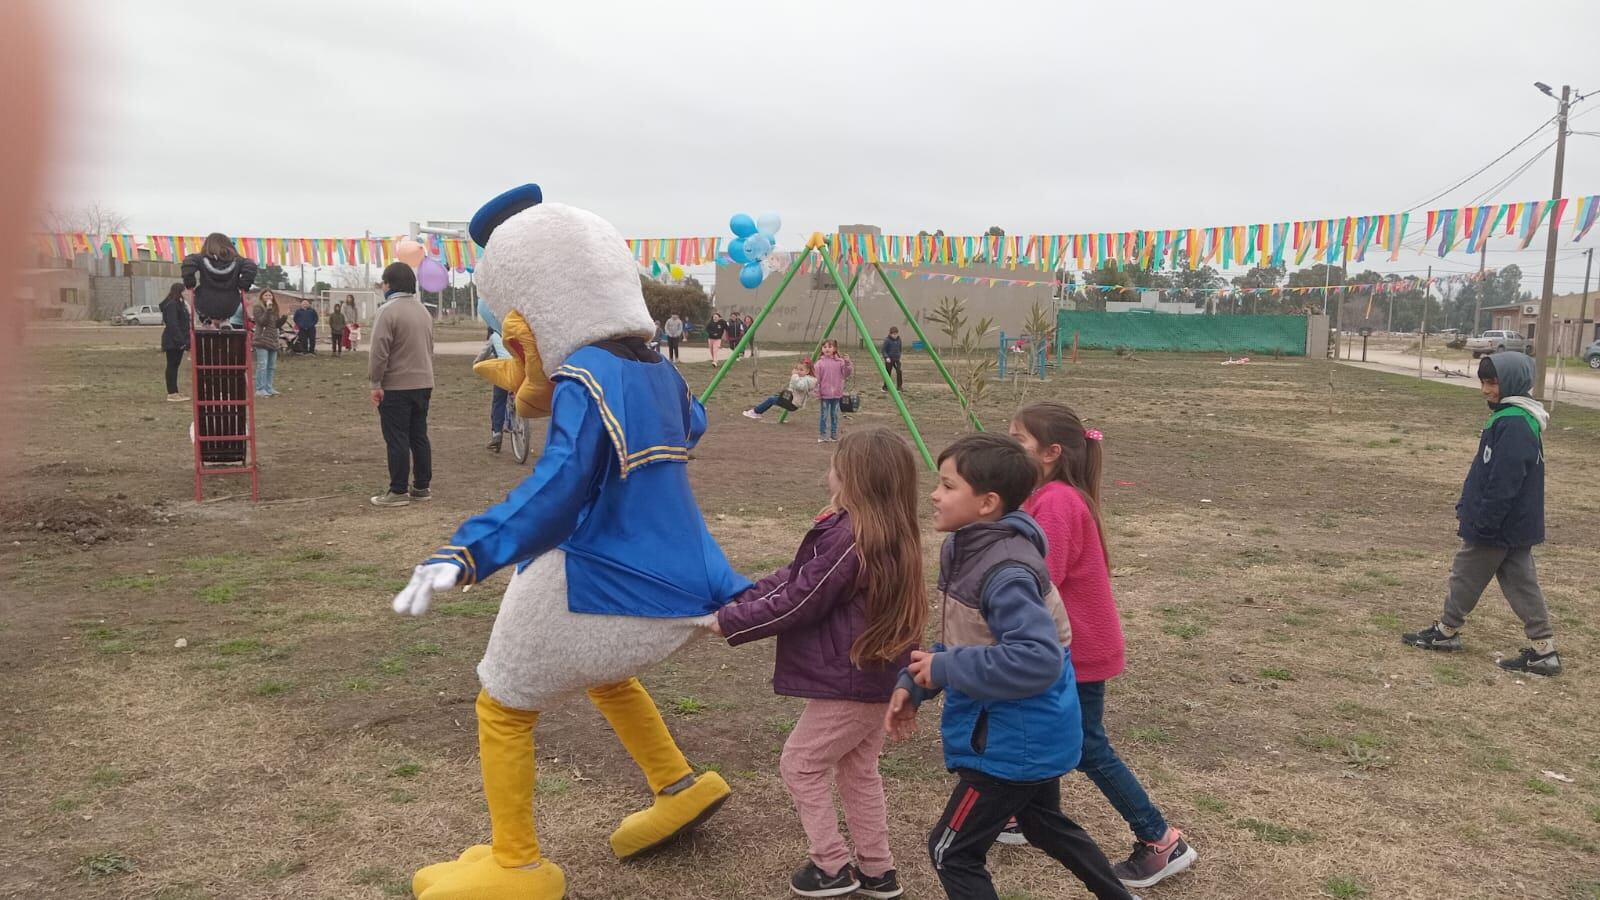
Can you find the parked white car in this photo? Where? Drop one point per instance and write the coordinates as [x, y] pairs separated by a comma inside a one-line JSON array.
[[1494, 341], [139, 315]]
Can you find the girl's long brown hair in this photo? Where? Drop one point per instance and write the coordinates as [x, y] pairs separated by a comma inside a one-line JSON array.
[[219, 245], [878, 486], [1080, 463]]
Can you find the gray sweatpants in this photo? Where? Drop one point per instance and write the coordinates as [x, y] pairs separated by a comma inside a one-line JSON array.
[[1513, 566]]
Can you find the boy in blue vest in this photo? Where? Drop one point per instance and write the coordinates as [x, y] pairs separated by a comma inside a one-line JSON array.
[[1011, 726], [1502, 517]]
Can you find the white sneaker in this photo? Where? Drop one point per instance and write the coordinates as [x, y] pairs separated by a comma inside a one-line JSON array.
[[822, 440], [177, 398], [752, 414]]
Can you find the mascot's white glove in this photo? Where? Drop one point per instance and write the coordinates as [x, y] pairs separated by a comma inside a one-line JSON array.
[[416, 596]]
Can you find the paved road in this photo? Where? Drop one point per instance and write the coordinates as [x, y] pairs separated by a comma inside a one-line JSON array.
[[1582, 385]]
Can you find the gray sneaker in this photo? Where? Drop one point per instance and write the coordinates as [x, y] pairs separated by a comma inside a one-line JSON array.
[[421, 494], [389, 499], [1431, 638], [1531, 660]]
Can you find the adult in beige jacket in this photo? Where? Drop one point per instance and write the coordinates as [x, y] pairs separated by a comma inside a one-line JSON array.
[[400, 369]]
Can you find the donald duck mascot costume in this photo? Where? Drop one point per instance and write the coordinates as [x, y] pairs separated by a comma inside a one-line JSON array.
[[615, 570]]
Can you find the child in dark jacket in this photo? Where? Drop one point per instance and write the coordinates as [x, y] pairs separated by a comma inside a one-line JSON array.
[[847, 611], [1501, 518], [217, 275], [1011, 726], [891, 359]]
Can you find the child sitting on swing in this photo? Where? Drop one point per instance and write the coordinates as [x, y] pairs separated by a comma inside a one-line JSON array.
[[801, 384]]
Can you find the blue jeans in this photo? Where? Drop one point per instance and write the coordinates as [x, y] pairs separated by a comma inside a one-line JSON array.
[[497, 410], [828, 408], [1109, 773], [266, 368]]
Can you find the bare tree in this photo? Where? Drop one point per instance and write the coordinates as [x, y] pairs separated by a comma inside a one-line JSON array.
[[90, 218], [353, 277]]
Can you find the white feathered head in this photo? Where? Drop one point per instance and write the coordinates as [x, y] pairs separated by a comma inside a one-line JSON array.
[[566, 270]]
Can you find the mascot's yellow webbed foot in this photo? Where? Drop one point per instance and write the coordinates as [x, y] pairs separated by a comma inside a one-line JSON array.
[[485, 879], [428, 876], [670, 816], [683, 799]]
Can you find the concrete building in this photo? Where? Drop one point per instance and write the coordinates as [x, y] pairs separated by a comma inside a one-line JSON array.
[[804, 309], [96, 288], [1573, 334]]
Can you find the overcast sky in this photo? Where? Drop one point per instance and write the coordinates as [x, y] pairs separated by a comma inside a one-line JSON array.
[[336, 116]]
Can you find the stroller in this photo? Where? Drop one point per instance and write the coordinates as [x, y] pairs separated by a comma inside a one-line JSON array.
[[289, 340]]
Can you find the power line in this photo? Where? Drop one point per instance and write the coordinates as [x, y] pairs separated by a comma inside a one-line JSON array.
[[1531, 136], [1515, 174]]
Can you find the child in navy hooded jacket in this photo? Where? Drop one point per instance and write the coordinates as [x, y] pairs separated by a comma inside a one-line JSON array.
[[1011, 725], [1501, 518]]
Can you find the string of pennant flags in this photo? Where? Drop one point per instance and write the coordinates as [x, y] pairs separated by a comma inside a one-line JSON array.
[[1268, 244], [1394, 286], [1271, 244]]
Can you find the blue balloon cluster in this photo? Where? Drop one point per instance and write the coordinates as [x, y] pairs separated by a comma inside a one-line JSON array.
[[753, 240]]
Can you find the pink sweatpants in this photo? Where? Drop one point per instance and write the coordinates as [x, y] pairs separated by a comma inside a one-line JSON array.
[[837, 742]]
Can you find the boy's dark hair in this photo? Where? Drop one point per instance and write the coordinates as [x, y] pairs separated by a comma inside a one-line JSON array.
[[994, 463], [399, 277]]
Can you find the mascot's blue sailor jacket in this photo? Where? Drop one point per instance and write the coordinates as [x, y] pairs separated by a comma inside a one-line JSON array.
[[612, 491]]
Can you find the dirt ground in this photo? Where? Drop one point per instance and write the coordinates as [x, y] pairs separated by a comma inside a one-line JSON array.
[[1272, 526]]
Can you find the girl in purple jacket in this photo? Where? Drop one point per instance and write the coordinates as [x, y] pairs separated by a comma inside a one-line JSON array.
[[847, 613]]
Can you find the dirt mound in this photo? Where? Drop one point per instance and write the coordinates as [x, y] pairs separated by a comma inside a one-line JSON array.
[[83, 521], [66, 469]]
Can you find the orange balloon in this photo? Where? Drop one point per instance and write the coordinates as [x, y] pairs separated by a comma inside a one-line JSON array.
[[410, 252]]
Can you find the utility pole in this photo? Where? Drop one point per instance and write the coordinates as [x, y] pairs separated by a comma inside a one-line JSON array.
[[1477, 299], [1422, 330], [1541, 337], [1338, 311], [1583, 305]]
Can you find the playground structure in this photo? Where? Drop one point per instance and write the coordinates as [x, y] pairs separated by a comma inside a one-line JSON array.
[[224, 425], [847, 304]]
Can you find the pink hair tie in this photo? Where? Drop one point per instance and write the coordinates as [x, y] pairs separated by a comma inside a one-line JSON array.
[[1093, 434]]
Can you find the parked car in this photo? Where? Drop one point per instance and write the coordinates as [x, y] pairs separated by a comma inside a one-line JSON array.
[[1591, 355], [138, 315], [1494, 341]]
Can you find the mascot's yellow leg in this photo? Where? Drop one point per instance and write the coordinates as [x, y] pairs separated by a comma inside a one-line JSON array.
[[682, 799], [514, 870]]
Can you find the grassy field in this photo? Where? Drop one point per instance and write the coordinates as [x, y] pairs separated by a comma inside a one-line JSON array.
[[1272, 527]]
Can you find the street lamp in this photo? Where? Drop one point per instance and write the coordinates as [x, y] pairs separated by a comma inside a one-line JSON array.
[[1545, 88]]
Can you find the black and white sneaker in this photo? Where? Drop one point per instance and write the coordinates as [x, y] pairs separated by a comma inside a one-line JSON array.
[[1431, 638], [1152, 862], [811, 881], [1531, 660], [884, 887], [1012, 835]]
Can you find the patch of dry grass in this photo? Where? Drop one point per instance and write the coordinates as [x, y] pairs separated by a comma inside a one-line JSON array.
[[306, 742]]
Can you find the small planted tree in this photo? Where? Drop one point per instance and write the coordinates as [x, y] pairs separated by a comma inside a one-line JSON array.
[[951, 317]]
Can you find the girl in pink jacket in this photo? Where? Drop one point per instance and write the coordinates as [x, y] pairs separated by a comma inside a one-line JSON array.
[[1066, 505], [832, 368]]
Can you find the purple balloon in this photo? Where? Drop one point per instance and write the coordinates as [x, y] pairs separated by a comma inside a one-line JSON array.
[[431, 276]]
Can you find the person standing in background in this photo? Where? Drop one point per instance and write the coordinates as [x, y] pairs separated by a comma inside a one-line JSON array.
[[715, 329], [267, 341], [400, 370], [336, 334], [174, 337], [891, 359], [305, 323], [674, 331]]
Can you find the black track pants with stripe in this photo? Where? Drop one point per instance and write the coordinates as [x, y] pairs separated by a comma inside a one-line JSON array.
[[979, 809]]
